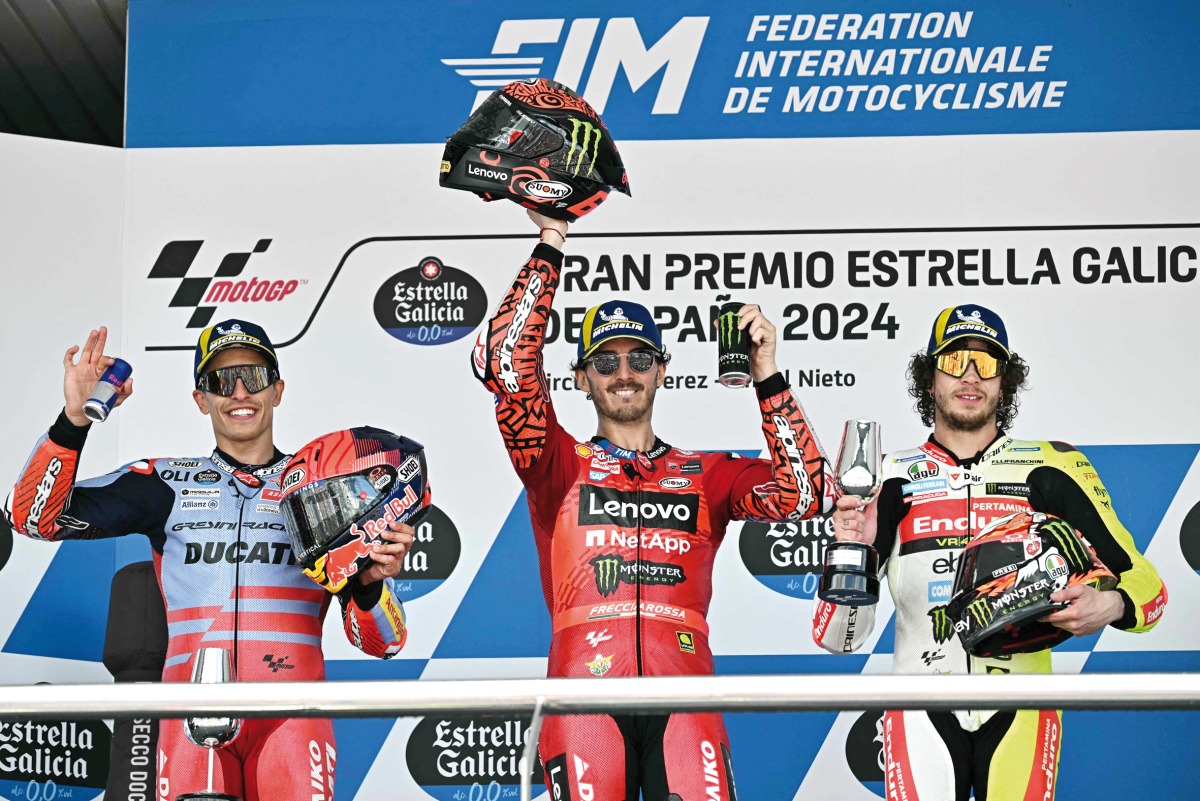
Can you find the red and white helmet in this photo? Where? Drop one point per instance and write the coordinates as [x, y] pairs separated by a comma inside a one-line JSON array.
[[341, 491]]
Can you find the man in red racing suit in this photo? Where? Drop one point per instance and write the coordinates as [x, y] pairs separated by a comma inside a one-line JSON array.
[[627, 528], [223, 558]]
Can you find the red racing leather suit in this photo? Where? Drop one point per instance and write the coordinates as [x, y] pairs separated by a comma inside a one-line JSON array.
[[626, 543], [229, 579]]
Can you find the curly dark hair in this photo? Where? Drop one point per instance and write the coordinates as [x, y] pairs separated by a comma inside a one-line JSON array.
[[920, 386]]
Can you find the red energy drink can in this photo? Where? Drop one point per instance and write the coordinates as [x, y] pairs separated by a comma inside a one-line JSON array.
[[104, 395]]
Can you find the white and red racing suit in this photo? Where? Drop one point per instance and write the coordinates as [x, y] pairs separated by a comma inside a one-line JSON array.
[[930, 505], [626, 542], [229, 579]]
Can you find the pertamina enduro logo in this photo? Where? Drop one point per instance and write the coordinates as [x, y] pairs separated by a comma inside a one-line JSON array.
[[664, 64], [430, 304], [469, 757], [226, 288]]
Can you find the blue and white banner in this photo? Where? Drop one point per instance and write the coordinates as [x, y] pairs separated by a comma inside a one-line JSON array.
[[364, 71]]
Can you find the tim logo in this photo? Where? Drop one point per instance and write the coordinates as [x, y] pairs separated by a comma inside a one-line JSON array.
[[621, 47], [177, 258]]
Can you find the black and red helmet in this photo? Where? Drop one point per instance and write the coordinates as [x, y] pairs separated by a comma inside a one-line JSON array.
[[341, 491], [1005, 576], [538, 144]]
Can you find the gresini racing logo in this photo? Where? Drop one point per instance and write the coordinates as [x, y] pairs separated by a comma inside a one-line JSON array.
[[612, 569], [203, 294], [604, 506], [666, 63]]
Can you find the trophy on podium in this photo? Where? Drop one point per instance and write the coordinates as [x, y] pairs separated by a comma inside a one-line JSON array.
[[851, 574], [212, 667]]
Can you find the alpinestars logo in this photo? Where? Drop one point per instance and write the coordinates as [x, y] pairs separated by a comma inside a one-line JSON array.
[[621, 50], [611, 570], [176, 260]]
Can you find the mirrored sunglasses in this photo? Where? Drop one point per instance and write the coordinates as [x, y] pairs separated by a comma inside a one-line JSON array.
[[640, 361], [223, 380], [955, 363]]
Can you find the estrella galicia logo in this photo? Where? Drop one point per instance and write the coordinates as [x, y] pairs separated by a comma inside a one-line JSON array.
[[612, 569], [664, 64], [432, 557], [430, 304], [203, 294], [67, 758], [787, 557], [864, 750], [464, 756], [1189, 538]]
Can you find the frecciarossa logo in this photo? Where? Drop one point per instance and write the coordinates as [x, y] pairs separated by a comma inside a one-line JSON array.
[[605, 506]]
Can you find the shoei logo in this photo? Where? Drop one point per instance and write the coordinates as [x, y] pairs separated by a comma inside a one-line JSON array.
[[551, 190], [292, 479], [622, 49], [205, 294]]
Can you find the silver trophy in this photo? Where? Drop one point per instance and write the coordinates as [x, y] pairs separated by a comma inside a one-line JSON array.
[[851, 574], [211, 667]]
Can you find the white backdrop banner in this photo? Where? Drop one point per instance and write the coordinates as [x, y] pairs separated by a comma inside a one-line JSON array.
[[373, 281]]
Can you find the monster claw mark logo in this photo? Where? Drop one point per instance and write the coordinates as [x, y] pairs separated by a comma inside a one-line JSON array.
[[177, 257], [942, 627], [728, 331], [608, 573], [1068, 543], [981, 611], [587, 129]]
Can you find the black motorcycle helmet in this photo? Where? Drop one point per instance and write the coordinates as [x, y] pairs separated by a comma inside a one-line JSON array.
[[538, 144], [1005, 577]]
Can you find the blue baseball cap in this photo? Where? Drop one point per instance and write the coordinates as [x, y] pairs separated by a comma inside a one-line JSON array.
[[232, 334], [617, 318], [967, 322]]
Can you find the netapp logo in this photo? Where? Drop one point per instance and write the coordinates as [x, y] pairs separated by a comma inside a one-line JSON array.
[[604, 506], [622, 49], [486, 173]]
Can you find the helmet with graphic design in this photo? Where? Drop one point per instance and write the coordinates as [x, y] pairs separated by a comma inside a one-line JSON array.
[[1005, 576], [341, 491], [538, 144]]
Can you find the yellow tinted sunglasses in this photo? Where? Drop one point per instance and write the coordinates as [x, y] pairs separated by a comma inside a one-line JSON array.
[[955, 363]]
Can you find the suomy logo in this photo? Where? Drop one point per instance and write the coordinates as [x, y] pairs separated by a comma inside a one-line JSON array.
[[622, 49], [176, 260]]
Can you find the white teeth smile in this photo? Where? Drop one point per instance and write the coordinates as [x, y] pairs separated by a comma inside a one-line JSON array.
[[624, 393], [242, 413]]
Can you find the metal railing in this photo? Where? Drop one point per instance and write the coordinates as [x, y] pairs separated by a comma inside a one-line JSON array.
[[658, 695]]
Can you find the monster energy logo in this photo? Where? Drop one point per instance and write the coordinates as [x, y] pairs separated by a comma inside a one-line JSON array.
[[730, 334], [943, 629], [611, 570], [588, 129], [1068, 543], [981, 611]]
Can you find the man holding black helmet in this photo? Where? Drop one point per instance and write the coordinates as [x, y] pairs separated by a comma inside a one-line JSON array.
[[934, 499], [223, 556]]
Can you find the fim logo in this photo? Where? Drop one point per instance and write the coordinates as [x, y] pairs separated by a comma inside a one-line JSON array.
[[600, 665], [622, 49], [176, 260]]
